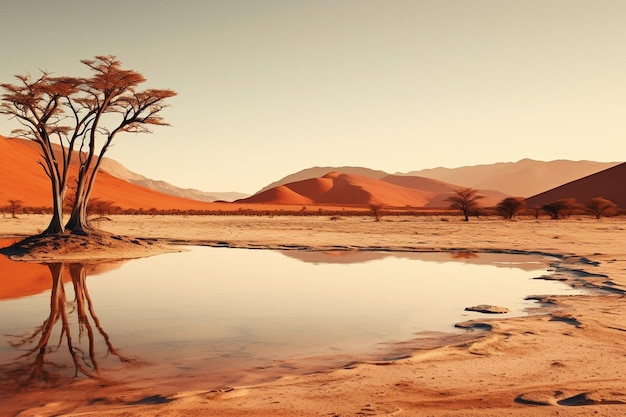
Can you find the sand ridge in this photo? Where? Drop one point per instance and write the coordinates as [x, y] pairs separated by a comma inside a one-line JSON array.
[[568, 358]]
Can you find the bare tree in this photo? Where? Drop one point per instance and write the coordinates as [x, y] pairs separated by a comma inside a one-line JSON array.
[[465, 200], [15, 205], [377, 211], [511, 206], [82, 115], [600, 206]]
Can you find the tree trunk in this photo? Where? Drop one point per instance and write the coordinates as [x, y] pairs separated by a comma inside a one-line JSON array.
[[78, 222], [56, 223]]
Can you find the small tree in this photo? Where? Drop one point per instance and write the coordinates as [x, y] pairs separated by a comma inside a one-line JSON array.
[[561, 208], [377, 211], [465, 200], [15, 205], [511, 206], [101, 207], [600, 206]]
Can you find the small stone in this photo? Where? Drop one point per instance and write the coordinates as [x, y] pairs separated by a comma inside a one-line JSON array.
[[488, 309]]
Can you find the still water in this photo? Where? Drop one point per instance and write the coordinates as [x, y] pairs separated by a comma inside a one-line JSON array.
[[219, 313]]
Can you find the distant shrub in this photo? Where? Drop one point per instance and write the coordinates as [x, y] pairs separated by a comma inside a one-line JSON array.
[[466, 200], [600, 206], [377, 211], [510, 207], [561, 209]]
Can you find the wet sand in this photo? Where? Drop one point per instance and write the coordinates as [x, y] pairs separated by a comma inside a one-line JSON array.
[[567, 359]]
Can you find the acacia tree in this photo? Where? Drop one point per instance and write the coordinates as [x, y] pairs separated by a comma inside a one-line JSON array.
[[38, 106], [600, 206], [113, 103], [511, 206], [82, 115], [101, 207], [15, 206], [465, 200], [560, 208]]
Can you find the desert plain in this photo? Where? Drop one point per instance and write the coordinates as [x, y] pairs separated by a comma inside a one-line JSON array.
[[567, 357]]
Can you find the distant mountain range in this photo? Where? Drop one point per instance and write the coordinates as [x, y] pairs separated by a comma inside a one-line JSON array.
[[523, 178], [118, 170]]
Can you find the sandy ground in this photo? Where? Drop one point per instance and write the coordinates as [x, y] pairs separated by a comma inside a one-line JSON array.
[[569, 358]]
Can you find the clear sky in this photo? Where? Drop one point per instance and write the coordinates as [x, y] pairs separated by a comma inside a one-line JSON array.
[[269, 87]]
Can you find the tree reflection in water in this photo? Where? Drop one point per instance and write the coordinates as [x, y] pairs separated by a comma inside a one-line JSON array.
[[37, 366]]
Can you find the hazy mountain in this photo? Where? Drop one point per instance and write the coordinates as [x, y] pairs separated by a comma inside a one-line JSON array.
[[442, 190], [524, 178], [609, 183], [118, 170]]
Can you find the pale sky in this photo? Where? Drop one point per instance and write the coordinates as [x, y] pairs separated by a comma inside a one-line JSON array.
[[269, 87]]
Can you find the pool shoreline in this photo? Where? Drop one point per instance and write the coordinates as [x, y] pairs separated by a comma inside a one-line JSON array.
[[572, 352]]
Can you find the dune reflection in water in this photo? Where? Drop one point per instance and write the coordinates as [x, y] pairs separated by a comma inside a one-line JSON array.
[[222, 311]]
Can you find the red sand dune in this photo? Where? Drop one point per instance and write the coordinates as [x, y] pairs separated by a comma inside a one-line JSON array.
[[610, 184], [351, 189], [340, 189], [22, 178]]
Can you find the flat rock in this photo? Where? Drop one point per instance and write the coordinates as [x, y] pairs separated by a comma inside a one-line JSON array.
[[488, 309]]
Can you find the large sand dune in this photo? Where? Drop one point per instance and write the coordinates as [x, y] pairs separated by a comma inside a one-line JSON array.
[[22, 178], [610, 184]]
